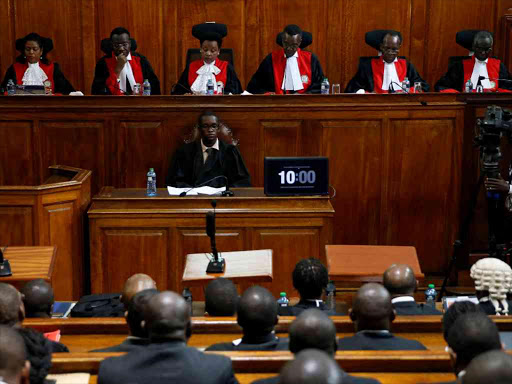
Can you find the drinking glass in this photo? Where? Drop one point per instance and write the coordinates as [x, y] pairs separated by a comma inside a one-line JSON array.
[[336, 89], [417, 87]]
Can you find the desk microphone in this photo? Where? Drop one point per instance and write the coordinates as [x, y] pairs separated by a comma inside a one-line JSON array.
[[227, 192], [216, 265], [5, 267], [392, 90]]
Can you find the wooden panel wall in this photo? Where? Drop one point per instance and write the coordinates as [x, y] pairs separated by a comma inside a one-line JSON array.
[[162, 30]]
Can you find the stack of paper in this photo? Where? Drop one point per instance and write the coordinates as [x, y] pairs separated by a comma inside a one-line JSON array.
[[210, 191]]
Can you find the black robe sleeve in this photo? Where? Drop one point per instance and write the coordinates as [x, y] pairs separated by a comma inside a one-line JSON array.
[[101, 74], [236, 171], [504, 74], [10, 74], [317, 75], [182, 87], [452, 79], [61, 84], [148, 73], [263, 80], [179, 170], [363, 79], [232, 83], [414, 77]]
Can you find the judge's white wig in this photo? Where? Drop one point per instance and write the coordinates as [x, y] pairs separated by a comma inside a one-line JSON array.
[[495, 276]]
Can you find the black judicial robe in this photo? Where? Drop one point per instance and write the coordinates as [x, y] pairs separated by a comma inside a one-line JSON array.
[[187, 168], [364, 78], [263, 80]]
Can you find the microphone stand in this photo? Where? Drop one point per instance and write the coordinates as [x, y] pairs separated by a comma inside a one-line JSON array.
[[218, 264], [5, 267]]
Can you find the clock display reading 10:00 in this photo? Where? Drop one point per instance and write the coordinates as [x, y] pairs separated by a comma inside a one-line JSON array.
[[292, 177]]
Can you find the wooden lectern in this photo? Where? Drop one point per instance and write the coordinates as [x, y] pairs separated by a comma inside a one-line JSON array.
[[366, 263]]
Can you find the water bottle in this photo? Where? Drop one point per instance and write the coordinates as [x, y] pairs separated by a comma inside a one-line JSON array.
[[209, 87], [187, 295], [11, 88], [283, 300], [431, 295], [151, 186], [146, 88], [468, 88], [406, 85], [324, 88]]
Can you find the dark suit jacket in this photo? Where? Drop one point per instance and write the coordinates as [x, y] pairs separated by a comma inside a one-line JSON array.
[[267, 343], [377, 341], [168, 362], [348, 380], [127, 345], [302, 305], [411, 308], [58, 347]]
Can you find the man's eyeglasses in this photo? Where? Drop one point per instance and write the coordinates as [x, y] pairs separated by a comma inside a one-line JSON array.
[[483, 49]]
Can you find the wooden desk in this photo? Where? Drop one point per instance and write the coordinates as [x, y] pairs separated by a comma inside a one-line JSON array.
[[29, 263], [131, 233]]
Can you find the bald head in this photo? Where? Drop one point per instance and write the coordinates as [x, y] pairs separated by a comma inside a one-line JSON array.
[[12, 311], [167, 317], [493, 367], [372, 309], [313, 329], [399, 280], [38, 298], [13, 356], [257, 311], [312, 366], [136, 283]]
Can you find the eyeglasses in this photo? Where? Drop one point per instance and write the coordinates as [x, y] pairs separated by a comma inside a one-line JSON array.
[[119, 45], [483, 49]]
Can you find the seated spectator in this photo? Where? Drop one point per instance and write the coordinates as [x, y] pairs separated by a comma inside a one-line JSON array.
[[454, 311], [310, 278], [493, 367], [221, 297], [134, 317], [134, 284], [401, 284], [372, 314], [257, 315], [167, 359], [14, 366], [38, 299], [39, 354], [312, 366], [493, 280]]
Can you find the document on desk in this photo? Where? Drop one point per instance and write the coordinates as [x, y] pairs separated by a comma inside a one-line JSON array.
[[209, 191]]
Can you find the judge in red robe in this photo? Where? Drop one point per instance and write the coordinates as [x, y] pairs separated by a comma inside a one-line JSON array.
[[32, 67], [289, 69], [194, 79]]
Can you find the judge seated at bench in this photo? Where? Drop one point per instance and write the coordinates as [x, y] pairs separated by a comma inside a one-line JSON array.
[[385, 73], [205, 159], [401, 283]]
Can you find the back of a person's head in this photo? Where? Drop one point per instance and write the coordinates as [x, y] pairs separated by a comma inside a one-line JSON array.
[[310, 278], [38, 298], [312, 366], [454, 311], [134, 284], [313, 329], [399, 279], [13, 357], [257, 311], [39, 353], [135, 312], [167, 317], [372, 309], [493, 367], [221, 297], [10, 303], [472, 334]]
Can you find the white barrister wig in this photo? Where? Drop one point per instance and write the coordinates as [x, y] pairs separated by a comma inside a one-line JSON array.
[[493, 275]]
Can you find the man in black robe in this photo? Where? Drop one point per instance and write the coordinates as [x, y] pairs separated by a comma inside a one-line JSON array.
[[384, 74], [203, 161], [289, 69]]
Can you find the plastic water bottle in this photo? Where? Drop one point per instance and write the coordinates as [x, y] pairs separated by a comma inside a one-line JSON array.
[[283, 300], [11, 88], [187, 295], [468, 87], [209, 87], [324, 88], [431, 295], [151, 186], [406, 85], [146, 88]]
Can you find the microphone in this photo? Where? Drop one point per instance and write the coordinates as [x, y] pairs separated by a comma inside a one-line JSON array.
[[400, 85], [217, 265], [182, 86], [227, 192], [5, 267]]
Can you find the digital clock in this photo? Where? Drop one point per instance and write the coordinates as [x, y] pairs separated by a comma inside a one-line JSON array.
[[288, 176]]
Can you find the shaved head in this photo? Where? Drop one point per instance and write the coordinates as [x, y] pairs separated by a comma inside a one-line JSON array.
[[372, 309], [493, 367], [257, 311], [167, 317], [136, 283], [38, 298], [13, 356], [312, 366], [12, 310], [313, 329], [399, 280]]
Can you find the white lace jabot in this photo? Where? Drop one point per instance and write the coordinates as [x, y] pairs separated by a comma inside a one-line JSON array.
[[291, 79], [34, 75], [206, 72]]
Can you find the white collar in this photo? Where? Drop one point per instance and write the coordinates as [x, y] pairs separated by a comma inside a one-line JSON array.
[[205, 73], [481, 62], [402, 299], [34, 75], [480, 69], [292, 80], [215, 146], [390, 75]]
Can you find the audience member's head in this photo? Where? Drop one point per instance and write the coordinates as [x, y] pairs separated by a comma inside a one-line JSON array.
[[312, 366], [313, 329], [221, 297], [399, 280], [493, 279], [14, 367], [38, 298], [469, 336], [372, 309], [134, 284], [39, 354], [257, 311], [12, 310], [310, 278], [454, 311], [135, 313], [493, 367], [167, 318]]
